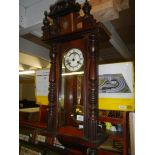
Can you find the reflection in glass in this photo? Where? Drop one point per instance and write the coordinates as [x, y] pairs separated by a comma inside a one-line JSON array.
[[72, 112]]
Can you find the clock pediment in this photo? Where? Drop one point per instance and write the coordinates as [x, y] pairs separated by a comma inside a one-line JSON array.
[[62, 8], [64, 19]]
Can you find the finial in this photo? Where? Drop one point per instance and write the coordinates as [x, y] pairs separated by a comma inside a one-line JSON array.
[[45, 13], [86, 8], [45, 21]]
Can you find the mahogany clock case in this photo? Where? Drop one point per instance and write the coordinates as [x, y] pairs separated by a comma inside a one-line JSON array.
[[65, 29]]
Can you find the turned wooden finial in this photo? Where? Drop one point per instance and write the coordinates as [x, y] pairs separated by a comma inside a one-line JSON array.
[[86, 8], [46, 21]]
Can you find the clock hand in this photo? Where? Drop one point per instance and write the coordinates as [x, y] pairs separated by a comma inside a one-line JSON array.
[[73, 58], [75, 55]]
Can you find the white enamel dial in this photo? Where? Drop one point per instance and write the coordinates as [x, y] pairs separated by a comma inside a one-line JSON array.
[[73, 60]]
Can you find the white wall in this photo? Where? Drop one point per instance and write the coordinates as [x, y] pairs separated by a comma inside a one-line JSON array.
[[22, 16], [35, 13]]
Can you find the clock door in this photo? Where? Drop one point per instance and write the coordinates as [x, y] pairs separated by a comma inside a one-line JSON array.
[[72, 90]]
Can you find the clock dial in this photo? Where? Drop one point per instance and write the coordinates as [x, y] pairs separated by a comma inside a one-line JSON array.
[[73, 60]]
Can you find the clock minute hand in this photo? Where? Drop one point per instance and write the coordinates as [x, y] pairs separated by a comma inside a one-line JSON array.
[[75, 56]]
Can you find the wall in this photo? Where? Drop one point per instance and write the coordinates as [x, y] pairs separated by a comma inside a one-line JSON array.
[[27, 91], [20, 91]]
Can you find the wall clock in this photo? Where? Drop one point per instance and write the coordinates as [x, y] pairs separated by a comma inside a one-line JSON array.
[[73, 89]]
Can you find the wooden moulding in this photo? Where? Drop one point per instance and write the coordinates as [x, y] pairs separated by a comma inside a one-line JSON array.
[[105, 10]]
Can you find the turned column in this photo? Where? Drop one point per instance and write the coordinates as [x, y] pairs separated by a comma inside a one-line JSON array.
[[53, 119], [92, 91]]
